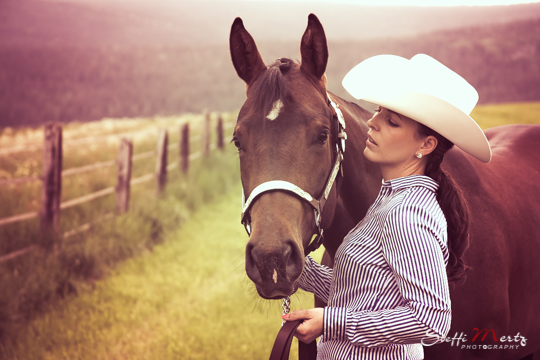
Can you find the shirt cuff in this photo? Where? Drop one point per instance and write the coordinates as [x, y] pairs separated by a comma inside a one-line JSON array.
[[334, 323], [303, 281]]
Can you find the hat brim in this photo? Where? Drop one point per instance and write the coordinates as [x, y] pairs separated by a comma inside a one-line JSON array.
[[437, 114]]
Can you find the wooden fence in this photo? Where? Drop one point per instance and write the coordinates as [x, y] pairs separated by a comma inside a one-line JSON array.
[[53, 173]]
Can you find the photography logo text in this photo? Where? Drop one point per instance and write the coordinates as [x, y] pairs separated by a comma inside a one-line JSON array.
[[485, 339]]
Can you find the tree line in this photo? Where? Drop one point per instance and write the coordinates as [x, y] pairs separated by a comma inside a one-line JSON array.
[[66, 83]]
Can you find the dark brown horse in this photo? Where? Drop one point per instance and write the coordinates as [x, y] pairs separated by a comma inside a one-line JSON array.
[[286, 131]]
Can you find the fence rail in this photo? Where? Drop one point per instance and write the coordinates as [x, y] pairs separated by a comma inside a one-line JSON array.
[[87, 198], [18, 253], [17, 218], [87, 168], [20, 180], [77, 142], [51, 205], [104, 164]]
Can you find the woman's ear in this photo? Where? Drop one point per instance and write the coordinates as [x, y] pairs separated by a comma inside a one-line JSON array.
[[430, 143]]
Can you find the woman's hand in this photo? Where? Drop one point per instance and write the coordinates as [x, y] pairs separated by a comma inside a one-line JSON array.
[[311, 328]]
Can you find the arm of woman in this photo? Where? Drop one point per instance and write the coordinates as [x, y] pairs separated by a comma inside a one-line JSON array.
[[316, 279], [414, 246]]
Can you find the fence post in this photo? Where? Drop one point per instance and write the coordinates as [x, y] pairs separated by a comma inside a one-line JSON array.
[[52, 186], [124, 175], [161, 161], [184, 147], [220, 133], [206, 134]]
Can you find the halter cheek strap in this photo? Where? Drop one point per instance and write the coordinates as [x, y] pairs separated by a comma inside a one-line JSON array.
[[281, 185]]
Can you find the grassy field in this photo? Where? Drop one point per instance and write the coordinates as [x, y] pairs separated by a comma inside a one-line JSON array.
[[488, 116], [156, 283], [187, 299], [31, 283]]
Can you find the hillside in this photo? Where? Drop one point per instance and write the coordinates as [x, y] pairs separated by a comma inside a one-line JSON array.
[[64, 61], [500, 61]]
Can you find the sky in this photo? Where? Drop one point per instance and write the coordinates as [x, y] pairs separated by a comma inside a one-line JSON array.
[[359, 2], [430, 2]]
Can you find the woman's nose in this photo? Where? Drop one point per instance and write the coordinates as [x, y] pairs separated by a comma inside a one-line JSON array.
[[372, 123]]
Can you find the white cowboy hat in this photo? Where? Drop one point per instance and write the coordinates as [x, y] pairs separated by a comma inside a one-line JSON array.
[[424, 90]]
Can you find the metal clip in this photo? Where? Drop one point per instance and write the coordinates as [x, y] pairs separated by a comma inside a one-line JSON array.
[[286, 307]]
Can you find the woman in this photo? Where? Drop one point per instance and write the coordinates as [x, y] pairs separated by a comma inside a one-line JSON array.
[[388, 291]]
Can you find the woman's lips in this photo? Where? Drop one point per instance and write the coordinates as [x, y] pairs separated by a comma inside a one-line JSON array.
[[370, 141]]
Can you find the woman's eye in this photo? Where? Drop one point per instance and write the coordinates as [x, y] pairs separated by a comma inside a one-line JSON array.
[[378, 109], [392, 124], [323, 137]]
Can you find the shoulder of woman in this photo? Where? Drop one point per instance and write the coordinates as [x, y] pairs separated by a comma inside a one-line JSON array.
[[418, 205]]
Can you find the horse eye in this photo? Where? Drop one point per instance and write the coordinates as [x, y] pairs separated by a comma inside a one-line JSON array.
[[236, 143], [323, 137]]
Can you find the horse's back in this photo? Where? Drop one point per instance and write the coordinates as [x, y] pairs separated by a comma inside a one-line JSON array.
[[504, 201], [514, 169], [511, 141]]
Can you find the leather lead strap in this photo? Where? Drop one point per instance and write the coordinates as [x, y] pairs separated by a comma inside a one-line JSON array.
[[307, 351], [282, 345]]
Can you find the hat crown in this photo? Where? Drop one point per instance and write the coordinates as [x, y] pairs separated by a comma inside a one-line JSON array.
[[422, 74], [433, 78]]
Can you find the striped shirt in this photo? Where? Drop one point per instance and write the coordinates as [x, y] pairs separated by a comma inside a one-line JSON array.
[[388, 288]]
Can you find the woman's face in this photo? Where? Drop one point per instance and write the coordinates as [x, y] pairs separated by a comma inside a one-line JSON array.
[[393, 140]]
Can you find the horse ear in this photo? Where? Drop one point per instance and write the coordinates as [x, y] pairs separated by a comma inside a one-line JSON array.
[[314, 49], [245, 57]]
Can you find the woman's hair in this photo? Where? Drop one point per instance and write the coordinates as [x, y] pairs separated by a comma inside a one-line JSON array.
[[453, 205]]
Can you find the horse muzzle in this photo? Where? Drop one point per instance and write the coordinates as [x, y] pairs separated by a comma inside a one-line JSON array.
[[275, 250], [274, 269]]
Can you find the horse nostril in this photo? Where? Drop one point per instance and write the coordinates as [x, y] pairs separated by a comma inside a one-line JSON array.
[[293, 259], [251, 267]]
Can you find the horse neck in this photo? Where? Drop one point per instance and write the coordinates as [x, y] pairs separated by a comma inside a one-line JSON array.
[[361, 178]]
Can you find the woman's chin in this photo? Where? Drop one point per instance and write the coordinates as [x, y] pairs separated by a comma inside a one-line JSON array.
[[369, 155]]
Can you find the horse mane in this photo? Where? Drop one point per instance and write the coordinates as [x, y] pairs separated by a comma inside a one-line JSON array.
[[271, 85]]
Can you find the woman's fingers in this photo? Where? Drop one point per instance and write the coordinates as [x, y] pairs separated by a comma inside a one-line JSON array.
[[312, 326], [306, 332], [296, 315]]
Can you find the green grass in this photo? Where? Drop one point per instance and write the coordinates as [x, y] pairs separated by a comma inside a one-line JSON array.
[[488, 116], [187, 299], [32, 283]]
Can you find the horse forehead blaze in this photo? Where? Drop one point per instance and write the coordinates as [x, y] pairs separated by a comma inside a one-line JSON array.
[[276, 108]]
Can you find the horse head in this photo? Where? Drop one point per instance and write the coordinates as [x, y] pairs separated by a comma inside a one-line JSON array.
[[285, 133]]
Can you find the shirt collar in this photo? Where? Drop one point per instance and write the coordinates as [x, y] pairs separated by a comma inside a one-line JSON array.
[[411, 180]]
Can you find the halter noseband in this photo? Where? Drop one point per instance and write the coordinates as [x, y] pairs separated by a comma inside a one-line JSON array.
[[280, 185]]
